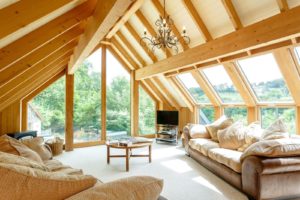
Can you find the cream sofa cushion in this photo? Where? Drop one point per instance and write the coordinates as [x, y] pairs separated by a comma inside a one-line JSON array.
[[274, 148], [198, 131], [20, 182], [222, 123], [203, 145], [277, 130], [132, 188], [37, 144], [13, 146], [227, 157], [253, 134], [57, 166], [232, 137]]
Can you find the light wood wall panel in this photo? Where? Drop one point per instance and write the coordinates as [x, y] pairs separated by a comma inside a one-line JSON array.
[[11, 118]]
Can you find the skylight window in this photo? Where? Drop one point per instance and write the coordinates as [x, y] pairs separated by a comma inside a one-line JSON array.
[[193, 88], [206, 115], [297, 50], [265, 78], [222, 84]]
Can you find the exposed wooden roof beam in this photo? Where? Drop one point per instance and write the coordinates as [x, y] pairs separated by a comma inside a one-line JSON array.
[[207, 88], [289, 72], [23, 13], [233, 16], [283, 5], [106, 14], [42, 53], [137, 38], [197, 19], [150, 29], [239, 84], [61, 54], [256, 35], [160, 10], [133, 8], [12, 53]]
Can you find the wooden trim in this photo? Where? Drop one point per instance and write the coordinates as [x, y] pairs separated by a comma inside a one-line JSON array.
[[253, 36], [239, 83], [31, 60], [23, 13], [289, 72], [252, 114], [134, 105], [103, 92], [233, 16], [69, 132], [150, 29], [283, 5], [160, 10], [105, 15], [12, 53], [132, 9], [207, 88], [197, 19]]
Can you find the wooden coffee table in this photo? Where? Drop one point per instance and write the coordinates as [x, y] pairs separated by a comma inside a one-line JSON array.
[[128, 150]]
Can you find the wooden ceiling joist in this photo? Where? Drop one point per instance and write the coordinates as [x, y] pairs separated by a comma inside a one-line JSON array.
[[105, 15], [176, 32], [60, 55], [22, 13], [150, 29], [37, 56], [256, 35], [289, 72], [233, 16], [239, 84], [133, 8], [29, 85], [12, 53], [197, 19], [207, 88], [283, 5]]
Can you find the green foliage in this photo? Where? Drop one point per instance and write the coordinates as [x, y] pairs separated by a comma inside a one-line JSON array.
[[146, 113], [237, 114]]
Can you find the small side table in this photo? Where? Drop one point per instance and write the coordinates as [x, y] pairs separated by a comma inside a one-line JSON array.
[[128, 150]]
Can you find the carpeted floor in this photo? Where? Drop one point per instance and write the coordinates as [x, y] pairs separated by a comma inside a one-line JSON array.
[[184, 178]]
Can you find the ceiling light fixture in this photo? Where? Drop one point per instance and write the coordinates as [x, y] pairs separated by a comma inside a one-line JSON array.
[[164, 38]]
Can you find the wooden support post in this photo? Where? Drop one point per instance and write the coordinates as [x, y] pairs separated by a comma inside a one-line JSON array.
[[103, 93], [134, 86], [24, 116], [69, 135], [252, 114], [298, 120], [218, 112]]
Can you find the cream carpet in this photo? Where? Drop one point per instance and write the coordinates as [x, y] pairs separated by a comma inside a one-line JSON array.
[[184, 178]]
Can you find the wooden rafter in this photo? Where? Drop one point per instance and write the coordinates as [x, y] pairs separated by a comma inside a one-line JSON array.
[[106, 14], [12, 53], [289, 72], [133, 8], [137, 38], [256, 35], [150, 29], [207, 88], [160, 10], [23, 13], [283, 5], [233, 16], [239, 83], [197, 19], [37, 56]]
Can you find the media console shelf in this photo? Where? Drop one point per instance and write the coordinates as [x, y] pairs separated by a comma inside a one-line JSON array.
[[167, 133]]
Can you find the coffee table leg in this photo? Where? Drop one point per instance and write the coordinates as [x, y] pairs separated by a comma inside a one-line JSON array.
[[150, 153], [127, 159], [108, 154]]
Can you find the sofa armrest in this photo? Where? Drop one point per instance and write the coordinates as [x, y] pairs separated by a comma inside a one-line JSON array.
[[187, 137], [264, 178]]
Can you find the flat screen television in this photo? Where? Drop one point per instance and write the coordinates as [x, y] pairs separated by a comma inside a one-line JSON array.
[[167, 117]]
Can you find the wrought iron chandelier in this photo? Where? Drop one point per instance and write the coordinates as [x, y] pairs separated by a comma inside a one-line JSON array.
[[164, 38]]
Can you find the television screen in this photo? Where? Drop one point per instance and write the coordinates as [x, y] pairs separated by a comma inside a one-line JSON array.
[[167, 117]]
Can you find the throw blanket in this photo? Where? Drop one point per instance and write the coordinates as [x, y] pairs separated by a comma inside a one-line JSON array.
[[274, 148]]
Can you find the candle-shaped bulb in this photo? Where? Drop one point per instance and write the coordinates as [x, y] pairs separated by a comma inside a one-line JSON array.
[[145, 31]]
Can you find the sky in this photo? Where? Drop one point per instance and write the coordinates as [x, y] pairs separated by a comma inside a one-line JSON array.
[[114, 68]]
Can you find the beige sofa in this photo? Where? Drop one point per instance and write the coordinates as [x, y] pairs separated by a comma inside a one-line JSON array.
[[258, 177], [32, 174]]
